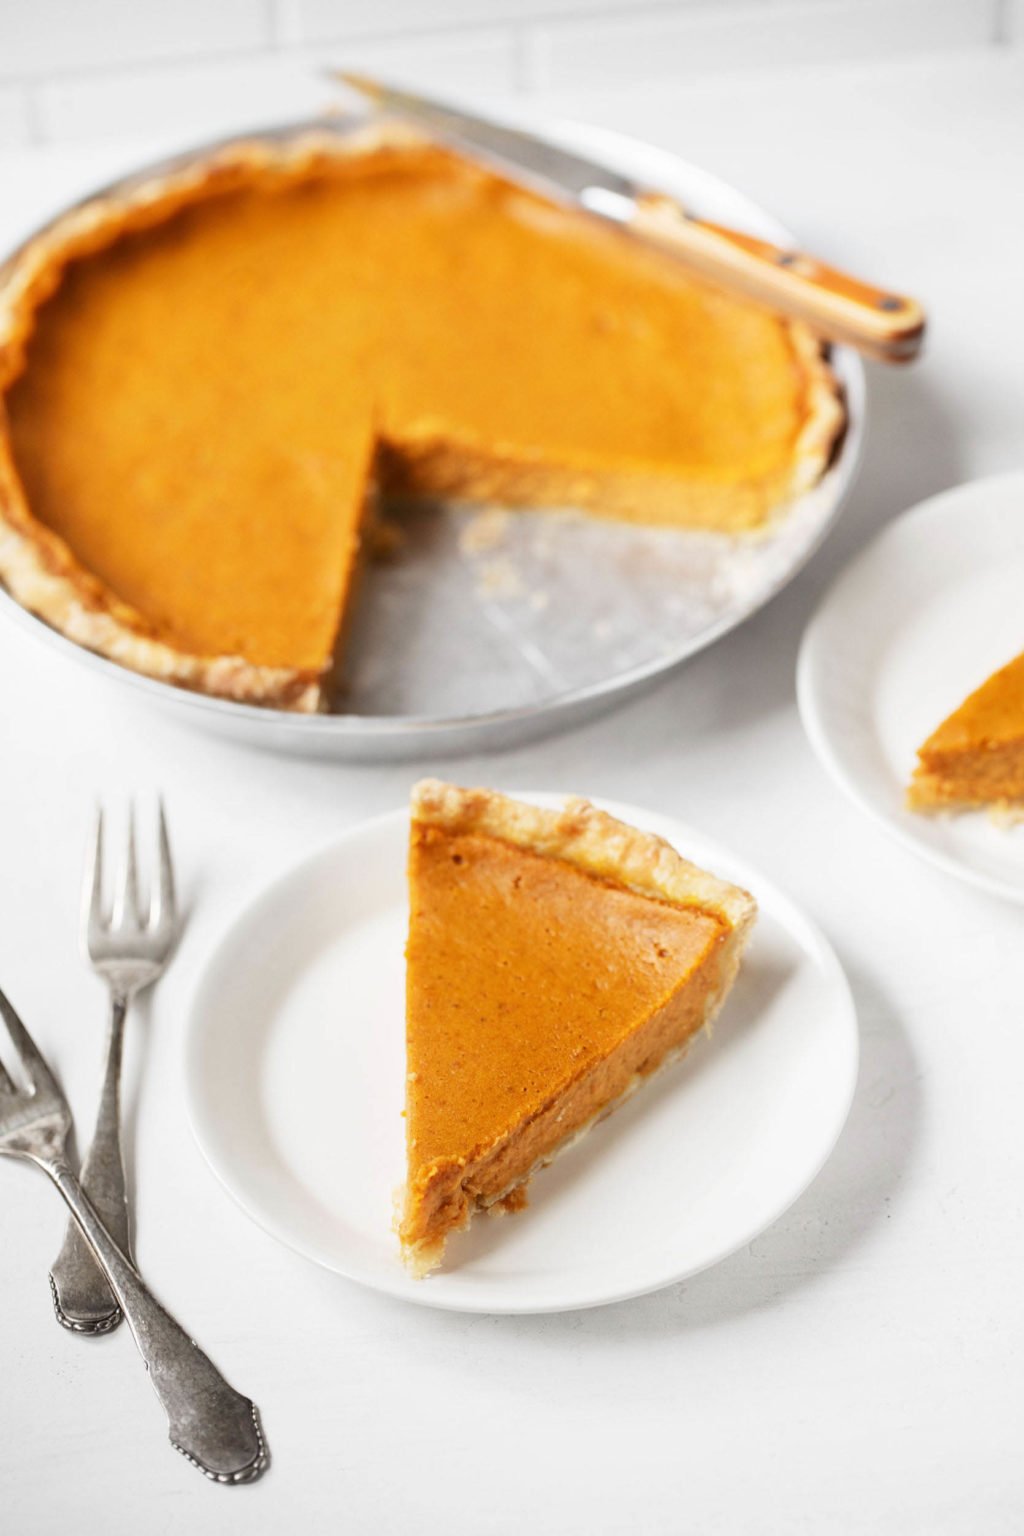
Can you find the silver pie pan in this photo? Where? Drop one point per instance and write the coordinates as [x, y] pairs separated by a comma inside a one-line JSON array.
[[492, 629]]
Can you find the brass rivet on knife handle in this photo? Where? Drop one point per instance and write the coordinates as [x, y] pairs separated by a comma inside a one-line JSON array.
[[884, 325]]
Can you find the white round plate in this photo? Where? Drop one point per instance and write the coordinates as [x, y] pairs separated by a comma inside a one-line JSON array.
[[460, 645], [295, 1067], [912, 626]]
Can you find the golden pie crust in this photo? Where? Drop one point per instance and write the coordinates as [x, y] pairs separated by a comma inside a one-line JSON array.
[[474, 452]]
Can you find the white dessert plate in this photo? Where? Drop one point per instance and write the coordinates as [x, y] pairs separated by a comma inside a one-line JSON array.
[[920, 619], [295, 1067]]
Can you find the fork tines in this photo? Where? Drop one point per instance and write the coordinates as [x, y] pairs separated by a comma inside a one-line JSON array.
[[126, 908], [29, 1057]]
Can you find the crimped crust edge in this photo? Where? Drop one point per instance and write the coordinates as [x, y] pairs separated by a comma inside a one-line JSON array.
[[588, 838]]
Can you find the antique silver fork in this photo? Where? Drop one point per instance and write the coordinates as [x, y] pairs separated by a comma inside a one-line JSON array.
[[211, 1424], [129, 951]]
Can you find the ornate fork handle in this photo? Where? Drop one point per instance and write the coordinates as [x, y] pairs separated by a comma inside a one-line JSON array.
[[211, 1424], [82, 1299]]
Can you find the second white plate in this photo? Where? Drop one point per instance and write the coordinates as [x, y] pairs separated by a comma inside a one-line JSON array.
[[295, 1078], [913, 625]]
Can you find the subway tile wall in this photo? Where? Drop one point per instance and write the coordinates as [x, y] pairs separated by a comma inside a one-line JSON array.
[[79, 70]]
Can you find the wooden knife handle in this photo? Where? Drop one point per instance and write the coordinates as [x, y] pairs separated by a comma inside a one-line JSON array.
[[886, 326]]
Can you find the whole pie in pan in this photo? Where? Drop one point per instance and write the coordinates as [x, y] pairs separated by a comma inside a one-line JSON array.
[[208, 376], [555, 960]]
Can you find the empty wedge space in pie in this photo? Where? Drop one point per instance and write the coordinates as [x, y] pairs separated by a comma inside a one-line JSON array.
[[212, 375], [555, 960]]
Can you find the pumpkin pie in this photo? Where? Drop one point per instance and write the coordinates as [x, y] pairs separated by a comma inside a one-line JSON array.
[[207, 375], [976, 756], [555, 960]]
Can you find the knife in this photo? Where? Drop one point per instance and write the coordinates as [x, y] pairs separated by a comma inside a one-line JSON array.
[[886, 326]]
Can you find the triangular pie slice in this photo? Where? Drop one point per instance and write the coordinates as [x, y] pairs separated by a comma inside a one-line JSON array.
[[976, 757], [555, 960]]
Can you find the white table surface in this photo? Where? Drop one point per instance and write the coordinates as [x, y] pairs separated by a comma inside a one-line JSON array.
[[857, 1369]]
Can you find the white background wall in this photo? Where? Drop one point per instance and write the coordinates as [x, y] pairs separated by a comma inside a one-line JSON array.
[[85, 69]]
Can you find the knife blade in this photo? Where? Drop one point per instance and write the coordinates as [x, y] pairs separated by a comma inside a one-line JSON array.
[[547, 168]]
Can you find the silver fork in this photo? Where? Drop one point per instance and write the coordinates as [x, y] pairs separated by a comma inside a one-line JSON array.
[[129, 951], [212, 1425]]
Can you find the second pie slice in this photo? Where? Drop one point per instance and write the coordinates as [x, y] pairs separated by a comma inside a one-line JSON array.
[[976, 756], [555, 960]]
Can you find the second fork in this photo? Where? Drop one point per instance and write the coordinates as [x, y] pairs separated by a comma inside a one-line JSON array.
[[129, 952]]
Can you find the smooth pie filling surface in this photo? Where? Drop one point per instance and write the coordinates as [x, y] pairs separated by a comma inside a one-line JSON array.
[[203, 379]]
